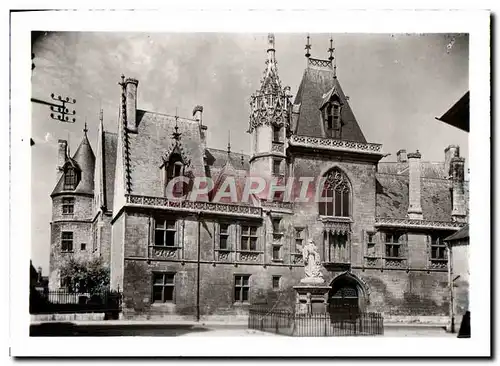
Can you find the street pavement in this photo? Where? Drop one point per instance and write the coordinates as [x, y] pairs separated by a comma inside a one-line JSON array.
[[191, 329]]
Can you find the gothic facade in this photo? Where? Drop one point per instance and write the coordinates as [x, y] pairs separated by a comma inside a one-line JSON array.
[[379, 227]]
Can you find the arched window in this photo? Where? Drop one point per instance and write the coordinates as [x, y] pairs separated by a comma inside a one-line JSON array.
[[175, 168], [336, 195], [70, 179]]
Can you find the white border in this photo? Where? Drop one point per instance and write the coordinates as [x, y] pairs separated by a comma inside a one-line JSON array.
[[474, 22]]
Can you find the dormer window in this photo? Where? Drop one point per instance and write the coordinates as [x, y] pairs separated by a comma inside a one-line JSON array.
[[175, 168], [70, 179], [333, 125]]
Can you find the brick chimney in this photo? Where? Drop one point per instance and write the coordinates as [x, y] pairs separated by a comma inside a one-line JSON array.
[[449, 153], [414, 206], [62, 153], [131, 103], [198, 116], [458, 212], [401, 154]]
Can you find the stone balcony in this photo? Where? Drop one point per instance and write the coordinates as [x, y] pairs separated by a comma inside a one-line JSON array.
[[337, 145]]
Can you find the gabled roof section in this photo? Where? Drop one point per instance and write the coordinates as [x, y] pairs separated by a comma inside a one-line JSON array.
[[318, 80], [461, 234], [146, 149]]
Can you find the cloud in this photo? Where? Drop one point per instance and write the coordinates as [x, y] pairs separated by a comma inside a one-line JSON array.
[[49, 138]]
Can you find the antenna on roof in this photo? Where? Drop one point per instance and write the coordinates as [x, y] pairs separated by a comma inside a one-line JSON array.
[[308, 47]]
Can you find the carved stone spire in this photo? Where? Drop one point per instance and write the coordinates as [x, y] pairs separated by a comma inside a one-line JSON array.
[[270, 104], [308, 47]]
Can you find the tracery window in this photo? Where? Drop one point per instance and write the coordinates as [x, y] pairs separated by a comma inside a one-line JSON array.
[[175, 168], [336, 195]]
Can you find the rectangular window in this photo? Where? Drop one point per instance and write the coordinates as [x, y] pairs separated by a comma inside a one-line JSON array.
[[163, 287], [223, 236], [67, 241], [276, 282], [69, 179], [299, 239], [68, 205], [276, 134], [249, 238], [276, 166], [438, 248], [393, 245], [241, 288], [165, 233], [276, 252], [83, 246], [370, 244], [276, 225]]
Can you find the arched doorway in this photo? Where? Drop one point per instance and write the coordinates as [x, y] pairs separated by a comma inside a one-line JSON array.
[[344, 298]]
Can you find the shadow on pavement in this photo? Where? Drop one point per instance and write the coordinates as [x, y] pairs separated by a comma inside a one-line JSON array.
[[68, 329]]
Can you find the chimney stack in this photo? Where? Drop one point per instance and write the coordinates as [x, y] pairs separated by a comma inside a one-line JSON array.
[[198, 116], [414, 206], [458, 212], [449, 153], [131, 103], [401, 154], [39, 272], [62, 154]]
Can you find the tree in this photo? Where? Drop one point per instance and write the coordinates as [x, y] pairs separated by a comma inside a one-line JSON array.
[[85, 275]]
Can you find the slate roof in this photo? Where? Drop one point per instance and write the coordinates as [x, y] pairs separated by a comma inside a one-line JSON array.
[[84, 161], [316, 82], [392, 197], [428, 169], [463, 233], [147, 148], [458, 114], [217, 158]]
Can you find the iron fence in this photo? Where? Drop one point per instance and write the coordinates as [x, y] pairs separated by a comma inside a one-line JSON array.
[[286, 322], [63, 302]]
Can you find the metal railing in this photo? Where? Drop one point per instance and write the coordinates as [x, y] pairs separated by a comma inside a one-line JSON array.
[[286, 322], [64, 302]]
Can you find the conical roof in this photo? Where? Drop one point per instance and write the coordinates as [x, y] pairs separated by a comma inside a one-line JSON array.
[[84, 161]]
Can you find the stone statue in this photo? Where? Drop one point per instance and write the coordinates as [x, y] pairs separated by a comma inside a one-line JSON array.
[[312, 264]]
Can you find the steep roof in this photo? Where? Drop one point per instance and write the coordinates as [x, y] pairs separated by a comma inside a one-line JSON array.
[[216, 159], [428, 169], [316, 83], [84, 161], [463, 233], [392, 197], [147, 149]]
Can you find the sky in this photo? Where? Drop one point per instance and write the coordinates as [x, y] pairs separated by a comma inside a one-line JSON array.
[[397, 84]]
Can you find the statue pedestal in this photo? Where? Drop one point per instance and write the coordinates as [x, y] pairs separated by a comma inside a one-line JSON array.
[[311, 297]]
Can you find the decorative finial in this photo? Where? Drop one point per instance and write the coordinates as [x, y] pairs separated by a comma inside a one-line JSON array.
[[331, 49], [101, 115], [229, 142], [308, 47], [123, 80], [242, 159], [176, 134], [85, 129], [270, 40]]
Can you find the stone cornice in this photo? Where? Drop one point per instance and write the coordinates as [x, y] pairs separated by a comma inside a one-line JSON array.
[[193, 206], [417, 224], [336, 145]]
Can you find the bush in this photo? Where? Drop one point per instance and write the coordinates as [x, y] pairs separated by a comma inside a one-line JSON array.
[[85, 276]]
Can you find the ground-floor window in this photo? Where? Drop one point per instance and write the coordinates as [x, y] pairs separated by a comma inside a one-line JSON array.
[[241, 288], [163, 287]]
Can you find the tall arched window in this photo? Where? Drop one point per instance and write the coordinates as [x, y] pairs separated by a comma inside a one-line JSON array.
[[336, 195]]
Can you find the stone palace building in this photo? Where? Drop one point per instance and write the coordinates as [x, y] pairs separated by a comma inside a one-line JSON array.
[[380, 232]]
